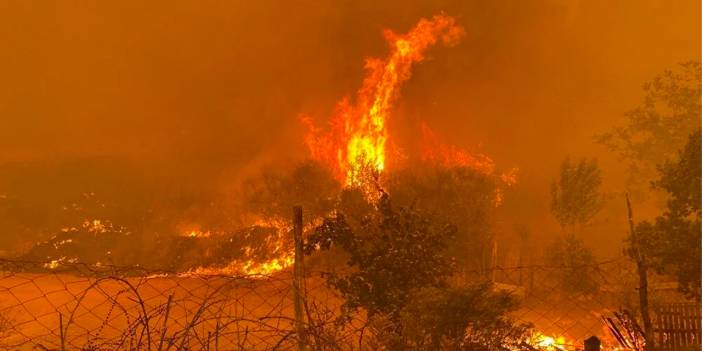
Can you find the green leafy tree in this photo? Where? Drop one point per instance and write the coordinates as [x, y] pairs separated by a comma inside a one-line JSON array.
[[393, 252], [681, 180], [462, 318], [659, 127], [458, 195], [671, 244], [575, 196], [575, 265], [397, 271]]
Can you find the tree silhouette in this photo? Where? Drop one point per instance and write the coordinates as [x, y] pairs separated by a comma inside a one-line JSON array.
[[657, 129], [671, 244], [397, 271], [575, 196]]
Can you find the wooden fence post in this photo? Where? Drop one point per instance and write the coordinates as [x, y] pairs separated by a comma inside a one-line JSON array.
[[642, 268], [61, 335], [298, 279], [165, 322]]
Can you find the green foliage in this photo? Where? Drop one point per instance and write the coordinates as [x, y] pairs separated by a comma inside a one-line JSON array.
[[456, 195], [272, 194], [659, 127], [672, 243], [391, 252], [681, 180], [575, 196], [461, 318], [397, 272], [575, 263]]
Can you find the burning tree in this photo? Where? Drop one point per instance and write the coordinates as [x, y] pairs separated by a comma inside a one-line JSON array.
[[456, 185], [355, 144]]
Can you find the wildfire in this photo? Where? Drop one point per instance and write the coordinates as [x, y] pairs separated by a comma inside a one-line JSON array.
[[549, 343], [249, 268], [197, 234], [445, 155], [280, 255], [95, 226], [450, 156], [355, 145], [252, 268]]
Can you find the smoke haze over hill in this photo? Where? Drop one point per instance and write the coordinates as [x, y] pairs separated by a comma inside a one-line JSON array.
[[144, 103]]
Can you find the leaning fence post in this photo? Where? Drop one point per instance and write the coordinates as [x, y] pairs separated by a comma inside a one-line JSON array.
[[63, 339], [297, 278]]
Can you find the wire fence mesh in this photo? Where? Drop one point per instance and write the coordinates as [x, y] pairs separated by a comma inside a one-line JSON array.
[[80, 307]]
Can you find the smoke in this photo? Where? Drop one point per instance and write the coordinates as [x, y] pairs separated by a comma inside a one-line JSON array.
[[195, 97]]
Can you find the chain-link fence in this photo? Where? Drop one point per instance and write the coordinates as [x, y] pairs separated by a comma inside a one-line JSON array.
[[569, 303], [74, 306], [109, 308]]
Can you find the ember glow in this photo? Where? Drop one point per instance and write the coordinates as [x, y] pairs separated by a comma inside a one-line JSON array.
[[249, 268], [444, 155], [545, 342], [434, 151], [252, 268], [355, 146], [197, 234], [279, 254]]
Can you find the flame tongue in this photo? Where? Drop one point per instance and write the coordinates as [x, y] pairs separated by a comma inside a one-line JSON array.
[[355, 146]]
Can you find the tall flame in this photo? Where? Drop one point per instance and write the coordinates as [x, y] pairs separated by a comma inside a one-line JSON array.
[[355, 145]]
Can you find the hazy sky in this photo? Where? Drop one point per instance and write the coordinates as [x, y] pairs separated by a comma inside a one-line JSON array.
[[223, 82]]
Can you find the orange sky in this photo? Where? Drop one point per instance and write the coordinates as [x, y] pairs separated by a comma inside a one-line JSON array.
[[220, 84]]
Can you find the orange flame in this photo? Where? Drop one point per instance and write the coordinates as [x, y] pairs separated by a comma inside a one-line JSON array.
[[450, 156], [548, 343], [281, 254], [196, 234], [354, 147]]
